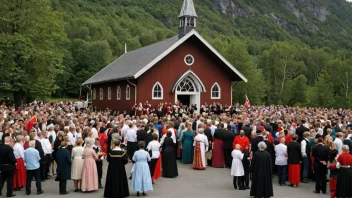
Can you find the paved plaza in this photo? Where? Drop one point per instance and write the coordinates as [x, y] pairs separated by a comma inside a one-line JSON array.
[[210, 183]]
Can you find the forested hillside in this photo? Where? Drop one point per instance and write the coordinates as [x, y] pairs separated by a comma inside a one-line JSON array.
[[294, 52]]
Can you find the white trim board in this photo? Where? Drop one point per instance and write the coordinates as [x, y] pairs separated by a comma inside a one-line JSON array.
[[178, 43]]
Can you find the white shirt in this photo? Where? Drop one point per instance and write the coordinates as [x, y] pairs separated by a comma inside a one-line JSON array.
[[95, 132], [72, 139], [53, 134], [18, 151], [154, 146], [131, 135], [124, 130], [303, 147], [46, 146], [202, 139], [338, 145], [320, 131], [281, 154]]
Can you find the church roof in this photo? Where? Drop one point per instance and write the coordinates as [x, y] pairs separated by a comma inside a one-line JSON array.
[[188, 9], [133, 64], [127, 65]]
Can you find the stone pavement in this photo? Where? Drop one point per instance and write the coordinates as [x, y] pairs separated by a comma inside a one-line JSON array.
[[210, 183]]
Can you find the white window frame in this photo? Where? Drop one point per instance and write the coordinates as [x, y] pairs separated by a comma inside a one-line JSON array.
[[128, 94], [109, 93], [118, 93], [162, 92], [211, 91], [94, 94], [101, 93], [184, 59]]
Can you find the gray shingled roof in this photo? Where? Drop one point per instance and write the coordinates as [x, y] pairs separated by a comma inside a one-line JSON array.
[[188, 9], [127, 65]]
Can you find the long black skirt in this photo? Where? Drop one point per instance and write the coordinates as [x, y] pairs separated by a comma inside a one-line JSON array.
[[344, 183], [169, 164], [131, 148], [152, 165]]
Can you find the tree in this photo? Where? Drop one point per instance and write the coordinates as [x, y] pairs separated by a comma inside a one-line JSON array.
[[31, 48], [322, 94], [296, 91]]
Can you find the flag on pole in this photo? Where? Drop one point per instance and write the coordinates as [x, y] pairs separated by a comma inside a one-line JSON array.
[[247, 103]]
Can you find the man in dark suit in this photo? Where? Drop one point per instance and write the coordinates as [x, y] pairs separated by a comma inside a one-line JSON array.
[[7, 168], [300, 130], [64, 162], [227, 138], [321, 155], [207, 132]]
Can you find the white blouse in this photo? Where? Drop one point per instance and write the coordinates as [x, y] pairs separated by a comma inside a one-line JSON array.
[[154, 146], [18, 151]]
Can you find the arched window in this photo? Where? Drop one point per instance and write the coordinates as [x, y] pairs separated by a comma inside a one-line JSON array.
[[101, 94], [118, 93], [94, 94], [215, 91], [186, 85], [109, 93], [157, 91], [128, 92]]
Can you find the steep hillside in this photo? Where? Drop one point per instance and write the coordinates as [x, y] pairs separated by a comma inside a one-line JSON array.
[[291, 48]]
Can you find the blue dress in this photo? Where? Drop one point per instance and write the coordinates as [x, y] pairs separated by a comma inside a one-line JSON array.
[[141, 179], [187, 147]]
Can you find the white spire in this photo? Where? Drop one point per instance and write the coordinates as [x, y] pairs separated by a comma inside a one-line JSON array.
[[125, 48], [188, 9]]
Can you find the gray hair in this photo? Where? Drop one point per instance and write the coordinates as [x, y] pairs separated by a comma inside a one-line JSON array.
[[345, 148], [306, 134], [89, 142], [19, 138], [262, 146]]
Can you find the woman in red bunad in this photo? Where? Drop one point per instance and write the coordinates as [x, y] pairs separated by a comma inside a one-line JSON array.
[[19, 179], [201, 145], [344, 176]]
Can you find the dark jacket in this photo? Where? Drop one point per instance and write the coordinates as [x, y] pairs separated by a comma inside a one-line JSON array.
[[299, 131], [207, 132], [247, 130], [255, 142], [7, 158], [38, 146], [294, 153], [63, 159], [141, 135], [218, 134], [320, 153], [227, 138]]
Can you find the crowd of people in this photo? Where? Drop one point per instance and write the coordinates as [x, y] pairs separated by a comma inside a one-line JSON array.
[[299, 145]]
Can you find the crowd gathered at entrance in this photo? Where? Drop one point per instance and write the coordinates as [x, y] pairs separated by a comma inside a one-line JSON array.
[[40, 141]]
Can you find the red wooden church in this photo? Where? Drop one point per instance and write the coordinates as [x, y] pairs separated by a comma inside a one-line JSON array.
[[185, 68]]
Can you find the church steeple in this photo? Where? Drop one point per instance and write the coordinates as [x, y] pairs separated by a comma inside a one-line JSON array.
[[187, 18]]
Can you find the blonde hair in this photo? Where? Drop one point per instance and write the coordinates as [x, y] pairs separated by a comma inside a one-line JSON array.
[[79, 142]]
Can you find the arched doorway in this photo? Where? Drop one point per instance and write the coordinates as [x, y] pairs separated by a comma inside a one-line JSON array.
[[187, 89]]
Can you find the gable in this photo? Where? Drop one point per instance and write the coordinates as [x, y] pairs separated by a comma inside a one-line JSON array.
[[133, 64]]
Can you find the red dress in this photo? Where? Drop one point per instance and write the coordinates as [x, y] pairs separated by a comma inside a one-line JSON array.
[[218, 154], [104, 146], [197, 161], [294, 173], [19, 179]]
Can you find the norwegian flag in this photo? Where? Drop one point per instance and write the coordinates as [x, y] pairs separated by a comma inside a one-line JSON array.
[[247, 103]]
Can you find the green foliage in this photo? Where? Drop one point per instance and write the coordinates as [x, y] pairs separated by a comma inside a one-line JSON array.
[[31, 47], [290, 51]]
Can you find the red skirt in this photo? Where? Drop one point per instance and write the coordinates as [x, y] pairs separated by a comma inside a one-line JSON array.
[[294, 173], [332, 184], [218, 154], [19, 179], [157, 171], [197, 160]]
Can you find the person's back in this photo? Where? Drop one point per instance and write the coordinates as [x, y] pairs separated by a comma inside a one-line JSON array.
[[141, 135], [32, 158], [7, 167]]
